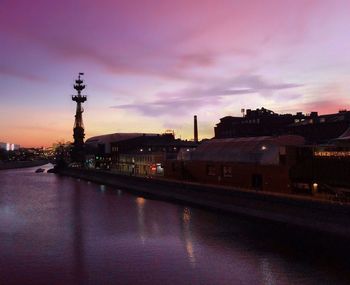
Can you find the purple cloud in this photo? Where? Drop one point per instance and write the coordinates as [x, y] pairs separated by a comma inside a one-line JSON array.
[[185, 101]]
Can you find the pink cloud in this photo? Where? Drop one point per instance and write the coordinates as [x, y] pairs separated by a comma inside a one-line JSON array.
[[324, 106], [160, 37]]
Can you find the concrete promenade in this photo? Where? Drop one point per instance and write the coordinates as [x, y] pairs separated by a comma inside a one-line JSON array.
[[320, 215]]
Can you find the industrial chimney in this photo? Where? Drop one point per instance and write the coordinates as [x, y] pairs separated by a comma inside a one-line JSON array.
[[195, 129]]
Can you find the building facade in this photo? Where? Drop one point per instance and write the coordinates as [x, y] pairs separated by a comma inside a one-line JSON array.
[[322, 169], [316, 129], [146, 154], [259, 163], [135, 153], [259, 122]]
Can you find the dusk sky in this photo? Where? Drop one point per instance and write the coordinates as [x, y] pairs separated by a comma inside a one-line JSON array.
[[151, 65]]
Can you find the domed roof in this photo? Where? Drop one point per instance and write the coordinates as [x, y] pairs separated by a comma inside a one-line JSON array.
[[103, 139]]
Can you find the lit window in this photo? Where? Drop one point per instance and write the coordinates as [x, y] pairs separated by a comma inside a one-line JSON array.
[[332, 153]]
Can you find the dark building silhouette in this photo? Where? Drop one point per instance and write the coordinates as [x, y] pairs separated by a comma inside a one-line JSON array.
[[135, 153], [322, 169], [321, 129], [78, 130], [259, 122], [262, 122]]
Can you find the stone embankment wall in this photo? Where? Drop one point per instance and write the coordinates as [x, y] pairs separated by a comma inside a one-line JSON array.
[[319, 215], [21, 164]]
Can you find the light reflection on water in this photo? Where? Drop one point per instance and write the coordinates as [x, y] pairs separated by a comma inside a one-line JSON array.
[[58, 230], [186, 223], [141, 218]]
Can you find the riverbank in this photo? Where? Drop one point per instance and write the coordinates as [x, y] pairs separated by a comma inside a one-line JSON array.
[[319, 215], [21, 164]]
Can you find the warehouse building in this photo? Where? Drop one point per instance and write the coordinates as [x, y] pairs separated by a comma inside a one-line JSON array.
[[260, 163]]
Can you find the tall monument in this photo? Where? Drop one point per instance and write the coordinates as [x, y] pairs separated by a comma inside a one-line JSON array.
[[78, 130]]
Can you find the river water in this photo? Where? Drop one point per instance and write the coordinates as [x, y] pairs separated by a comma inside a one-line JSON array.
[[60, 230]]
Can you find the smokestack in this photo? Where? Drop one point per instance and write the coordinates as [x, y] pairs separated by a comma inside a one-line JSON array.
[[195, 130]]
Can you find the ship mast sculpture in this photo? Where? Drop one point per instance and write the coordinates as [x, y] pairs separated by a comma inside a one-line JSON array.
[[78, 130]]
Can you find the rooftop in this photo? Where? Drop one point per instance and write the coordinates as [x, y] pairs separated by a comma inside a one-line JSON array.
[[262, 150]]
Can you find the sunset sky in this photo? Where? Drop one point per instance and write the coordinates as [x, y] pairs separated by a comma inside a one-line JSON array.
[[150, 65]]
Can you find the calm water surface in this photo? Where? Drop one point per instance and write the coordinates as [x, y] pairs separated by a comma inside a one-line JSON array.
[[58, 230]]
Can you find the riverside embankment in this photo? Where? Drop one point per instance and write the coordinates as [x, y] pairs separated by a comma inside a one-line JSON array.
[[313, 214], [21, 164]]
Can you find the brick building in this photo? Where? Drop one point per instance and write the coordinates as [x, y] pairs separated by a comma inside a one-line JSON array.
[[260, 163]]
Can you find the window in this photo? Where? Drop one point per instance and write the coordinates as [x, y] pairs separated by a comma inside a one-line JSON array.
[[226, 171], [211, 171]]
